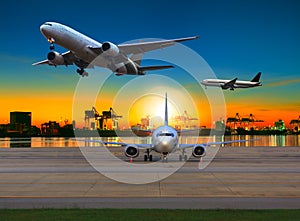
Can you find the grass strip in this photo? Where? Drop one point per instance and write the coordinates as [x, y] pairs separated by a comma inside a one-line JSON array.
[[147, 214]]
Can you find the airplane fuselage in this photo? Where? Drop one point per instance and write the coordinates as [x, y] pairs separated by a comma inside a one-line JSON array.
[[164, 140], [71, 39], [237, 84]]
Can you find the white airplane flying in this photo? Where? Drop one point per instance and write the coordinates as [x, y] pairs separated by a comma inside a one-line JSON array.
[[164, 140], [121, 59], [234, 83]]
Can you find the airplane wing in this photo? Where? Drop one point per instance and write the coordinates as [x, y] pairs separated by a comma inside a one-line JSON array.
[[143, 47], [153, 68], [41, 62], [68, 56], [140, 146], [229, 84], [183, 146]]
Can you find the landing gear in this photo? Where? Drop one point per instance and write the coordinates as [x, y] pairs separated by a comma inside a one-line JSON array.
[[85, 74], [148, 158], [82, 72], [147, 155], [51, 41], [183, 156], [164, 157]]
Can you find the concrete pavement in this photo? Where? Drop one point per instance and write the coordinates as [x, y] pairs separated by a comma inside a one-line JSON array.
[[238, 177]]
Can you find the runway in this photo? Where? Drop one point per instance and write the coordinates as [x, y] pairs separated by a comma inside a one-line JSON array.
[[238, 177]]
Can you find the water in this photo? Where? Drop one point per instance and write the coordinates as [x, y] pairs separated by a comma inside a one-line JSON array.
[[37, 142], [59, 142]]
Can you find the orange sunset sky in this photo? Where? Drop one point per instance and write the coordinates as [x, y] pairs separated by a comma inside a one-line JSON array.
[[55, 102]]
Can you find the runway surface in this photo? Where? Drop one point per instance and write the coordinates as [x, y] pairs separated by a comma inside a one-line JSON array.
[[238, 177]]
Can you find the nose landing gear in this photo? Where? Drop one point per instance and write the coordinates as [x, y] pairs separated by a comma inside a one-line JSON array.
[[51, 41], [164, 157]]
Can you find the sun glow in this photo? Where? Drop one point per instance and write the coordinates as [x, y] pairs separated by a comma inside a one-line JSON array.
[[152, 106]]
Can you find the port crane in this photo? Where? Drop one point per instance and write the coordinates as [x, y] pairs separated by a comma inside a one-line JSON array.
[[102, 120]]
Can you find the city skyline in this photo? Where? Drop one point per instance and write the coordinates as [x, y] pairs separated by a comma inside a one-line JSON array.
[[155, 119], [237, 39]]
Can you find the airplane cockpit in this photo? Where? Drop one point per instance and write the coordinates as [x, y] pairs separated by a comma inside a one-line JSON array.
[[47, 23], [165, 134]]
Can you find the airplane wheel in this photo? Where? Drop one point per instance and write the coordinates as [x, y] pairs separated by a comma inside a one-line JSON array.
[[164, 159], [79, 71], [82, 72], [150, 158], [85, 74], [185, 157], [146, 158]]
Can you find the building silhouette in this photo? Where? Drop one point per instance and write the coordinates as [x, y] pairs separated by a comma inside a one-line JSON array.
[[20, 122], [20, 118]]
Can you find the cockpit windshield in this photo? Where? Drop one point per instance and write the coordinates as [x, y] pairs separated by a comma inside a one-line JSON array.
[[165, 135], [47, 23]]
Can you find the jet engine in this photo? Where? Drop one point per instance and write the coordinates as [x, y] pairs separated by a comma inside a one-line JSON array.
[[127, 68], [55, 58], [131, 151], [110, 49], [199, 151]]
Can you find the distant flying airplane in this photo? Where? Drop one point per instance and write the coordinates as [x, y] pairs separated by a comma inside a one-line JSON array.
[[164, 140], [234, 83], [121, 59]]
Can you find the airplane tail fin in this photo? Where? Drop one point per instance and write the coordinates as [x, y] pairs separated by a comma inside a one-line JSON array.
[[166, 111], [256, 78], [153, 68]]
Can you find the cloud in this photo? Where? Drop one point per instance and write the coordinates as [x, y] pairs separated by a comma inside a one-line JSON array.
[[262, 109], [283, 83], [15, 59]]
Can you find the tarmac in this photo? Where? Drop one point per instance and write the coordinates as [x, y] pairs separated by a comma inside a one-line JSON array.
[[237, 178]]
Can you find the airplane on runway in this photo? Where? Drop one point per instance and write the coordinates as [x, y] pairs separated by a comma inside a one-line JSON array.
[[121, 59], [164, 140], [234, 83]]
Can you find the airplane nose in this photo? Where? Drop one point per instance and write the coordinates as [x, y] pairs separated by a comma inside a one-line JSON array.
[[165, 143], [43, 28], [166, 146]]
